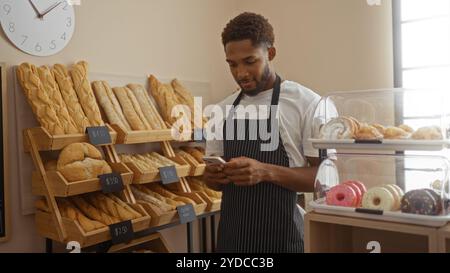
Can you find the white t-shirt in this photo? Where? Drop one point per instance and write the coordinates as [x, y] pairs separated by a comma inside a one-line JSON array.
[[295, 112]]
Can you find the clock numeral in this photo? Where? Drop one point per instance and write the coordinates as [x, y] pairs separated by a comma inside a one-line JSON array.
[[65, 5], [7, 8], [38, 47], [52, 45], [63, 36], [25, 37], [68, 22], [12, 27]]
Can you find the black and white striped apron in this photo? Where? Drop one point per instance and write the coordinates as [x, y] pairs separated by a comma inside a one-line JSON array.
[[263, 218]]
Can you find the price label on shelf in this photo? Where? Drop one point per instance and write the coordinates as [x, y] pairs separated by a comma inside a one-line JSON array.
[[168, 175], [99, 135], [186, 213], [121, 232], [111, 182]]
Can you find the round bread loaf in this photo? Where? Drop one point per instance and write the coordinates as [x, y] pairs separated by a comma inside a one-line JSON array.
[[81, 161]]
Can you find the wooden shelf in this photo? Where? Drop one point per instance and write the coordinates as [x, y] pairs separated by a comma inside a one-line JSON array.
[[46, 142], [136, 137], [62, 188], [444, 239], [47, 228], [338, 234]]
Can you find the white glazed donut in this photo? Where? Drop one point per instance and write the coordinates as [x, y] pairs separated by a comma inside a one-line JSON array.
[[395, 194], [338, 128], [378, 198]]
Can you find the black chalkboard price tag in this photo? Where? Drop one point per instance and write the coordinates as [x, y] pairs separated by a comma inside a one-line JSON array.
[[99, 135], [186, 213], [168, 175], [111, 182], [121, 232], [369, 211]]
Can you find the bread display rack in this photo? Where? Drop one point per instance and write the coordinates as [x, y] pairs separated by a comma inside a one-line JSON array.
[[59, 132], [364, 193]]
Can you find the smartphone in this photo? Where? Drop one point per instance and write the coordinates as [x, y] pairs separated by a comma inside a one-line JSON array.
[[214, 160]]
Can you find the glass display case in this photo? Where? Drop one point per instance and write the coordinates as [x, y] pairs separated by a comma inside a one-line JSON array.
[[398, 188], [387, 119]]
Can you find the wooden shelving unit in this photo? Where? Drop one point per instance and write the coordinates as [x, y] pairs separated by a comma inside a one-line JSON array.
[[337, 234]]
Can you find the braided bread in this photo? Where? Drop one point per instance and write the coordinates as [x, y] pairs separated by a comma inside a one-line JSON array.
[[85, 93], [51, 87], [38, 99], [70, 97]]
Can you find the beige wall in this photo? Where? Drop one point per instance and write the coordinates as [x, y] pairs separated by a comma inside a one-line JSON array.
[[330, 45], [324, 44]]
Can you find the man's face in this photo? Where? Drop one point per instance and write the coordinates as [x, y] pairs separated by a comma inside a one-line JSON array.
[[249, 65]]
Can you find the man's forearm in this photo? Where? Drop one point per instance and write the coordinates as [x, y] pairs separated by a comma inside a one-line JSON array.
[[295, 179]]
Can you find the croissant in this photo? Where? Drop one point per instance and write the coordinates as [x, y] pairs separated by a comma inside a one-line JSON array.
[[338, 128]]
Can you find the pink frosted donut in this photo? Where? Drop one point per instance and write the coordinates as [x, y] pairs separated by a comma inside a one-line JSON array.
[[360, 185], [357, 191], [342, 195]]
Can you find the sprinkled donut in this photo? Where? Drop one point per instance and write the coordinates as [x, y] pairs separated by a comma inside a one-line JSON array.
[[378, 198], [357, 191], [342, 195], [421, 201]]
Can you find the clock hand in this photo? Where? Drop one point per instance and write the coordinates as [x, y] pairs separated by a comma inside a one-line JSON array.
[[35, 9], [51, 8]]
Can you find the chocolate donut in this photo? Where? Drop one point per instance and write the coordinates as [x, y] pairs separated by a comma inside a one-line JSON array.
[[420, 202]]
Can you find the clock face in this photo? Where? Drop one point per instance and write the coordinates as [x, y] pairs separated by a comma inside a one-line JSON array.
[[38, 27]]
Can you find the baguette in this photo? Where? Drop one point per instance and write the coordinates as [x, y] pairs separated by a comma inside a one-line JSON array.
[[163, 159], [150, 199], [195, 153], [38, 99], [109, 104], [158, 196], [70, 211], [155, 208], [85, 94], [161, 190], [110, 207], [124, 205], [131, 109], [93, 212], [51, 88], [185, 200], [70, 97], [148, 109]]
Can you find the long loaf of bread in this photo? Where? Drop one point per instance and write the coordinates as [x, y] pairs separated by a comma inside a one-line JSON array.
[[70, 211], [125, 206], [109, 104], [70, 97], [147, 106], [110, 207], [131, 109], [38, 99], [85, 94], [93, 212], [51, 88]]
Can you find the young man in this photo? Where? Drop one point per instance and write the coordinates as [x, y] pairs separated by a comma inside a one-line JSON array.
[[262, 176]]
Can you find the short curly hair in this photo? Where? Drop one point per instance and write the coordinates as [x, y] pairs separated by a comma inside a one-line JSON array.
[[251, 26]]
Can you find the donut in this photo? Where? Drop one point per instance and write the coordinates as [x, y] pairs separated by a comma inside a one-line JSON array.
[[396, 196], [378, 198], [342, 195], [420, 201], [399, 190], [438, 199], [360, 185], [357, 191]]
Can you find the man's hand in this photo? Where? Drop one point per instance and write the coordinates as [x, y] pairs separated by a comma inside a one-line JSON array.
[[244, 171], [214, 176]]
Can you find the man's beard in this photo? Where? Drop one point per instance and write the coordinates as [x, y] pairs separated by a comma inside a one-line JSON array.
[[261, 84]]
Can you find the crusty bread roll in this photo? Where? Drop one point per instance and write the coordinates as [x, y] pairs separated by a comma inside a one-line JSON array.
[[85, 94], [368, 132], [395, 133], [81, 161], [428, 133], [38, 99], [147, 107], [131, 109], [69, 96], [51, 88], [110, 104]]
